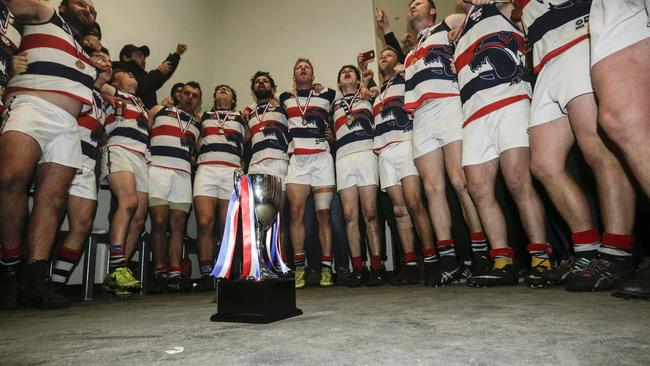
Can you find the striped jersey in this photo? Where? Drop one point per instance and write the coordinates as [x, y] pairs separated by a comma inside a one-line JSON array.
[[308, 114], [354, 125], [90, 126], [553, 26], [428, 68], [56, 62], [490, 62], [173, 136], [222, 138], [10, 35], [130, 129], [269, 131], [392, 123]]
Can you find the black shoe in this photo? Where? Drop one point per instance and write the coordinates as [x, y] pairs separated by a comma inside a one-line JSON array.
[[204, 284], [600, 275], [481, 264], [159, 284], [36, 289], [8, 287], [355, 279], [447, 271], [313, 277], [376, 277], [539, 276], [465, 273], [567, 269], [637, 285], [430, 270], [175, 284], [508, 275], [342, 276], [408, 275]]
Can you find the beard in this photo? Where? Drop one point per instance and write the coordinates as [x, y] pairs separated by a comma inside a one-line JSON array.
[[263, 94], [77, 23]]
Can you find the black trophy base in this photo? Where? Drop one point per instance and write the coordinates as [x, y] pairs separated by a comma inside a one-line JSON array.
[[261, 302]]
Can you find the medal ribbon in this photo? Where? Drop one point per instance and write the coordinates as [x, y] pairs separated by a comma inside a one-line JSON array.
[[302, 112], [348, 107]]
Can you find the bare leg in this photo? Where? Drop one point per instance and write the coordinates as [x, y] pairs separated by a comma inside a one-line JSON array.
[[324, 225], [205, 210], [406, 234], [350, 203], [136, 226], [432, 170], [480, 183], [297, 195], [81, 214], [411, 189], [159, 244], [177, 222], [453, 153], [368, 196]]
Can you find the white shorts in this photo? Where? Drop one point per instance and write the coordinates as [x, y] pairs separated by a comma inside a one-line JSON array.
[[396, 162], [315, 170], [84, 184], [436, 124], [117, 159], [275, 167], [170, 185], [55, 130], [615, 25], [215, 181], [357, 169], [561, 79], [486, 138]]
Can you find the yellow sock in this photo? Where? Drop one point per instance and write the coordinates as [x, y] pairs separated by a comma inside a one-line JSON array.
[[544, 262], [502, 262]]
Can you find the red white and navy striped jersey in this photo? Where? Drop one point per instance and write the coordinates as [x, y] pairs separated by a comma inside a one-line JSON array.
[[392, 123], [52, 57], [129, 131], [428, 68], [490, 62], [173, 136], [90, 126], [222, 138], [553, 26], [354, 124], [10, 35], [309, 114], [269, 131]]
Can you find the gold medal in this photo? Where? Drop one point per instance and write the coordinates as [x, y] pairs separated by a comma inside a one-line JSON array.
[[350, 119], [414, 60], [222, 131], [262, 128], [80, 64], [184, 141]]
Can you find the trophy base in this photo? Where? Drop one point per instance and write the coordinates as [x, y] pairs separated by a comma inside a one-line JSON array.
[[250, 301]]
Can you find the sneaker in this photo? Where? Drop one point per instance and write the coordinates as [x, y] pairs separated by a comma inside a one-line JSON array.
[[465, 273], [175, 284], [538, 277], [159, 284], [36, 289], [123, 278], [446, 272], [300, 276], [567, 269], [313, 277], [8, 287], [355, 279], [481, 264], [507, 275], [637, 286], [408, 275], [430, 270], [342, 276], [326, 277], [204, 284], [600, 275], [376, 277]]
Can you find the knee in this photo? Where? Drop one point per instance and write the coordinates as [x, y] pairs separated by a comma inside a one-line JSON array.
[[350, 215], [158, 222], [129, 204], [623, 126], [458, 181], [205, 223], [544, 170], [297, 213], [323, 217], [480, 192], [370, 215], [11, 183], [518, 184], [415, 207], [435, 187]]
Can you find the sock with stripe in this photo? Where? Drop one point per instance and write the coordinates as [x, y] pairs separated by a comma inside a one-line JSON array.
[[357, 263], [160, 271], [446, 248], [65, 262], [502, 257], [375, 262], [326, 261], [586, 243], [616, 248], [205, 267], [539, 253], [410, 259], [429, 255], [479, 243], [174, 271], [299, 259], [10, 257], [117, 258]]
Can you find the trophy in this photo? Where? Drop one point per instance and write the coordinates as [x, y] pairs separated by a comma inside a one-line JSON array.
[[259, 294]]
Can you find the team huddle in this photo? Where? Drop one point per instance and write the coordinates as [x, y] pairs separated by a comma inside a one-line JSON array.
[[457, 107]]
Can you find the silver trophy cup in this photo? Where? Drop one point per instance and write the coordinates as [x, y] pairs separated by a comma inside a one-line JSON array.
[[267, 194]]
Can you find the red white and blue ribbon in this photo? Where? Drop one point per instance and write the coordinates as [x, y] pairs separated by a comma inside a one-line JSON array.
[[275, 255], [224, 261], [251, 266]]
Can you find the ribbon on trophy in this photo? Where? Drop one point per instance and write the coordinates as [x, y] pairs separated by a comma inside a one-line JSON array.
[[224, 261], [251, 265], [274, 248]]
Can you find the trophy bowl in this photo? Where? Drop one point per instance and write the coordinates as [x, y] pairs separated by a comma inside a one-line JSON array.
[[267, 193]]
